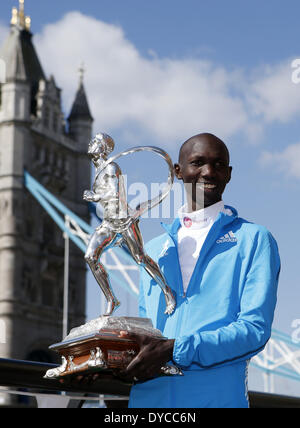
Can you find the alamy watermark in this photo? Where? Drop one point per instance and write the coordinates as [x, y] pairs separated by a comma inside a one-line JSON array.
[[296, 73], [296, 333], [2, 71], [137, 194], [2, 332]]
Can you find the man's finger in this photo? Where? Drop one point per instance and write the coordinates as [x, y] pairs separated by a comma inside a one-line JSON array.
[[124, 333], [139, 338]]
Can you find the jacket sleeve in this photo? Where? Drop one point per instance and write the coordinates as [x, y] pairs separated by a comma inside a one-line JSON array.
[[249, 334], [142, 305]]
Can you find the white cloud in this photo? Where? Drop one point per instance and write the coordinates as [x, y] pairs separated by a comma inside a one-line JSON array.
[[274, 96], [163, 98], [287, 161]]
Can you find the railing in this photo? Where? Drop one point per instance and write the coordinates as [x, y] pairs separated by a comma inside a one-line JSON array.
[[29, 376], [281, 357]]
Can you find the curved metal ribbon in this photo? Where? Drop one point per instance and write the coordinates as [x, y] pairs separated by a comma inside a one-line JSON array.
[[151, 203]]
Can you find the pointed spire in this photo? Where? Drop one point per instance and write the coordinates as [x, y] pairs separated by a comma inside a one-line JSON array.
[[21, 14], [19, 19], [81, 72], [80, 108], [15, 16], [18, 52]]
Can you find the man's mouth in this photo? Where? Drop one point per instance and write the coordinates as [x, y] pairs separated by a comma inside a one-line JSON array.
[[207, 186]]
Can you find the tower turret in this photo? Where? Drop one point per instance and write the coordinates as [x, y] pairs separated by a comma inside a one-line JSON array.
[[80, 119], [33, 137]]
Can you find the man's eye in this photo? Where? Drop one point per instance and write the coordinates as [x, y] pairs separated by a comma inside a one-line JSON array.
[[220, 165]]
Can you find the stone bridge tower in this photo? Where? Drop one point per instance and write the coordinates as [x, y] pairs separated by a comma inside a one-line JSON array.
[[34, 135]]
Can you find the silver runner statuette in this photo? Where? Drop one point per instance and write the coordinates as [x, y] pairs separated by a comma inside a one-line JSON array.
[[120, 225]]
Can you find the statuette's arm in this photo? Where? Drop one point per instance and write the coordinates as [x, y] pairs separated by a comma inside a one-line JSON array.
[[106, 186], [90, 196]]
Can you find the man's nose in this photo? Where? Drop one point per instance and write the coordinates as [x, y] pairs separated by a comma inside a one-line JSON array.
[[208, 170]]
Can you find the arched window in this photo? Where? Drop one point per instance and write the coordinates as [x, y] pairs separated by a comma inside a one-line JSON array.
[[46, 117]]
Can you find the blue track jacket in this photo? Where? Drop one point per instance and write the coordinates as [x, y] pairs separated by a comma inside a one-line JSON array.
[[223, 320]]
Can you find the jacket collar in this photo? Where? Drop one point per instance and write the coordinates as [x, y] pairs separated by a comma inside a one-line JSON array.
[[222, 220]]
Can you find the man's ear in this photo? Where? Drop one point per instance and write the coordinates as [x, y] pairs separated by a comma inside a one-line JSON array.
[[177, 171], [229, 173]]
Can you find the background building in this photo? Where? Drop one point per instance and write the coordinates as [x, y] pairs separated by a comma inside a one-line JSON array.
[[34, 135]]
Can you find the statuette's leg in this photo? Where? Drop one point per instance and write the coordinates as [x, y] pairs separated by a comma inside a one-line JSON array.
[[102, 240], [133, 239]]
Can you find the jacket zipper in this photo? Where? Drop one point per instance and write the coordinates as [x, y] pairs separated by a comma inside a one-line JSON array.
[[207, 245], [212, 234], [182, 294]]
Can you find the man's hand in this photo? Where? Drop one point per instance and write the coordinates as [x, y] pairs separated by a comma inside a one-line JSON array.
[[154, 354], [88, 195]]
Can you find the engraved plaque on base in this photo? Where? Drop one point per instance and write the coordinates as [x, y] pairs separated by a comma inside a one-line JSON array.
[[96, 346]]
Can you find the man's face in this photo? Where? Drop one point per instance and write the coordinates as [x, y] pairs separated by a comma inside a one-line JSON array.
[[204, 168]]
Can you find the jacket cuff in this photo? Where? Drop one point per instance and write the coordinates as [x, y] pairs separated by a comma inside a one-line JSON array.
[[180, 352]]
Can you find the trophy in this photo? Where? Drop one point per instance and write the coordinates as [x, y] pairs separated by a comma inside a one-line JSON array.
[[97, 345]]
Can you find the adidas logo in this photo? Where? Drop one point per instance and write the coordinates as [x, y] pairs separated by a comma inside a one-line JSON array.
[[229, 237]]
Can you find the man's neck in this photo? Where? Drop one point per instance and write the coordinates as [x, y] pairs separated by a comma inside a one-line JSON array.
[[193, 206]]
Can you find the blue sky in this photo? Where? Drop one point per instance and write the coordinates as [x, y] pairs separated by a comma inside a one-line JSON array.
[[158, 72]]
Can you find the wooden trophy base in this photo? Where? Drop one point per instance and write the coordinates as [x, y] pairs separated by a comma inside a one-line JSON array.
[[97, 346]]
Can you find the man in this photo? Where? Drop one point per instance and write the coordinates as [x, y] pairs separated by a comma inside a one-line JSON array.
[[224, 272]]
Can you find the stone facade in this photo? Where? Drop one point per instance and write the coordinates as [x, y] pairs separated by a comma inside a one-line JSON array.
[[34, 135]]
